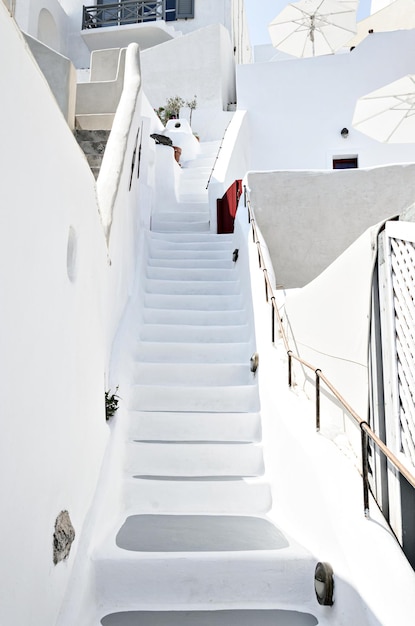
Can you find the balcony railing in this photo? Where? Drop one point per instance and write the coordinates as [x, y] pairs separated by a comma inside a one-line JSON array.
[[121, 13]]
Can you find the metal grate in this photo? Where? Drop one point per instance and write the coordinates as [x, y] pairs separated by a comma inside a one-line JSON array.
[[403, 268], [122, 13]]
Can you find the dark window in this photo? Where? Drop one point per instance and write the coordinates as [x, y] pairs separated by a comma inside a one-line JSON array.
[[184, 9], [345, 164], [170, 10]]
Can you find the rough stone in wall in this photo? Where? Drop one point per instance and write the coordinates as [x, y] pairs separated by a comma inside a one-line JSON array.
[[62, 537]]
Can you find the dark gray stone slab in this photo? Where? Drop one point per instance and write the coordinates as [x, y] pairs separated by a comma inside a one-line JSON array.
[[198, 533], [210, 618]]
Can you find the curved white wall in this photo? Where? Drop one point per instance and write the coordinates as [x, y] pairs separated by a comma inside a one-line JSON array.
[[61, 303]]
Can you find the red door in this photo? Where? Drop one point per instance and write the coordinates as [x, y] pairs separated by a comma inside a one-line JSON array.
[[227, 206]]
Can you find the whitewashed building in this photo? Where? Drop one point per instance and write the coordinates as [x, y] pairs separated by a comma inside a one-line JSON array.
[[209, 497]]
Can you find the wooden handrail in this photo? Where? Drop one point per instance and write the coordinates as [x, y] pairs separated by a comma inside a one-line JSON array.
[[366, 431]]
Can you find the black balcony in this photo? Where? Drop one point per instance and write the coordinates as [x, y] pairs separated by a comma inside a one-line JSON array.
[[122, 13]]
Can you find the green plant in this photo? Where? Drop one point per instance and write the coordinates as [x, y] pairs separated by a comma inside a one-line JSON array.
[[171, 109], [111, 403], [192, 104]]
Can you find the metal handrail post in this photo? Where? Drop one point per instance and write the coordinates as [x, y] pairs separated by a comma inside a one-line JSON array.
[[265, 272], [273, 319], [289, 354], [317, 373], [365, 467]]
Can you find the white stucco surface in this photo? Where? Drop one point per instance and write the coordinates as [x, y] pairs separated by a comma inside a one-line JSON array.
[[68, 334], [307, 102], [396, 16], [309, 218], [60, 74], [316, 484], [200, 64], [61, 305], [45, 20]]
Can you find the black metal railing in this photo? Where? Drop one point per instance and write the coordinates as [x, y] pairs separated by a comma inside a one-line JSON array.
[[122, 13], [366, 432]]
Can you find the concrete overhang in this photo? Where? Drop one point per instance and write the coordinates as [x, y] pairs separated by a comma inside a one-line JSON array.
[[146, 35]]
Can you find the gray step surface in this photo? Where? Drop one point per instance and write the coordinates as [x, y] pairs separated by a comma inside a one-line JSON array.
[[229, 617]]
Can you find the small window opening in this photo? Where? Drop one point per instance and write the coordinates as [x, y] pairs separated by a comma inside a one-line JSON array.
[[345, 163]]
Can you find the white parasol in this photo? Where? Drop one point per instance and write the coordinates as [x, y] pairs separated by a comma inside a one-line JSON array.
[[313, 27], [388, 114]]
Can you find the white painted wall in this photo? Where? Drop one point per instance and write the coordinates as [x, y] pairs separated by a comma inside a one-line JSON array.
[[231, 164], [78, 51], [309, 218], [318, 227], [298, 107], [67, 15], [101, 95], [60, 74], [328, 322], [44, 20], [57, 324], [200, 63], [231, 14]]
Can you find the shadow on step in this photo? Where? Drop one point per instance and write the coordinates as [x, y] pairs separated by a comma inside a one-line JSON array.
[[265, 617], [198, 533]]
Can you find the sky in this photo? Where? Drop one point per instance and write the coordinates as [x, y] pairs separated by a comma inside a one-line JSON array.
[[261, 12]]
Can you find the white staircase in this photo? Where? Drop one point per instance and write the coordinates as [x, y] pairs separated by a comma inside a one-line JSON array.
[[193, 544]]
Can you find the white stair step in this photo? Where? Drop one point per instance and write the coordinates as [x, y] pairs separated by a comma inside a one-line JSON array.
[[278, 572], [194, 459], [200, 197], [204, 302], [225, 262], [192, 287], [191, 274], [169, 426], [202, 374], [181, 216], [238, 496], [191, 253], [209, 243], [194, 334], [154, 351], [186, 238], [209, 147], [206, 161], [229, 399], [188, 173], [194, 318], [165, 226], [194, 184], [182, 208]]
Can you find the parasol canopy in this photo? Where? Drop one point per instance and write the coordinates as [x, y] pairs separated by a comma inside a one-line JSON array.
[[388, 114], [313, 27]]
